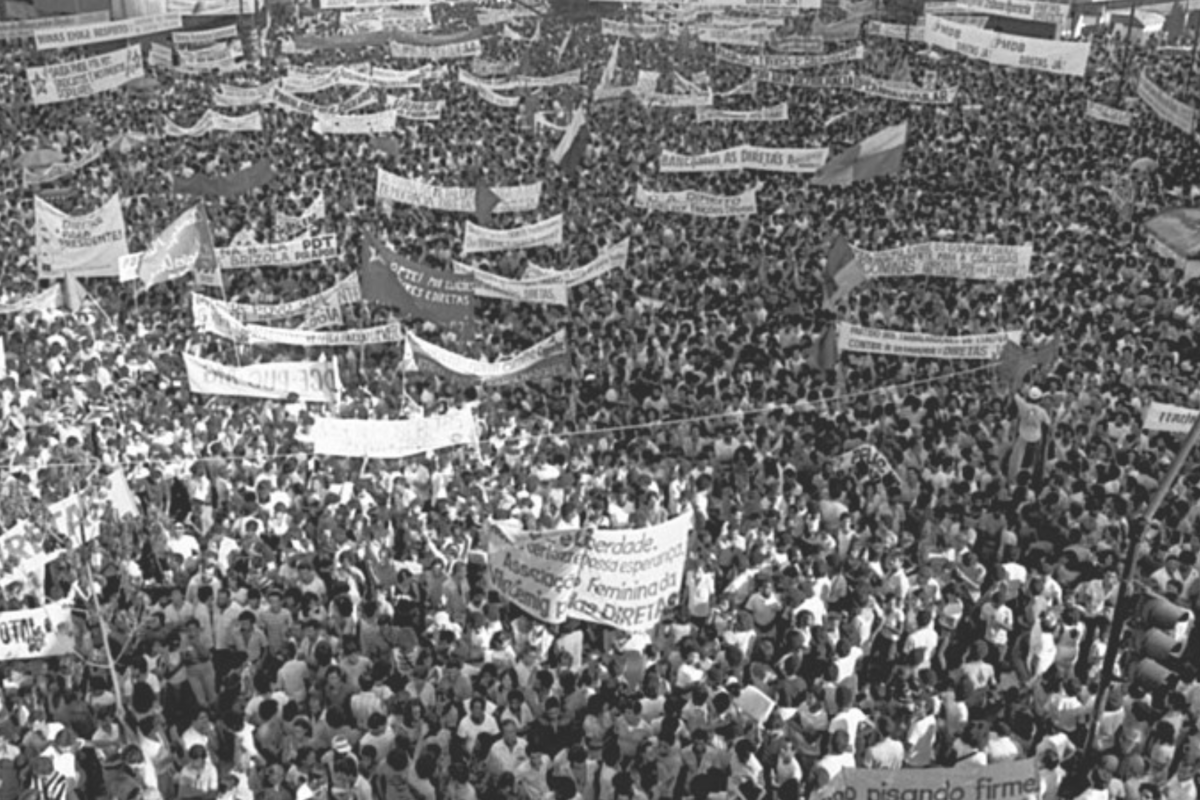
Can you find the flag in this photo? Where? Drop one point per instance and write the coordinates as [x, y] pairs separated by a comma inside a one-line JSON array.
[[574, 155], [121, 496], [531, 104], [485, 203], [824, 353], [388, 278], [74, 295], [1175, 22], [842, 271], [902, 74], [1016, 362], [185, 245], [570, 135], [386, 145], [562, 48], [876, 156]]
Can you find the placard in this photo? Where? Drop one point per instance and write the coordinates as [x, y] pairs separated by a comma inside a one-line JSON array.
[[72, 80], [309, 381], [908, 344]]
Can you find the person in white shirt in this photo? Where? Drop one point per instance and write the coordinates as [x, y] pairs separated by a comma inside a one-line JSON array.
[[922, 643], [888, 752], [507, 753], [477, 722]]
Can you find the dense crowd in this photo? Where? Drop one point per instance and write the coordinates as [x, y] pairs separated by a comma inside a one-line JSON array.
[[272, 624]]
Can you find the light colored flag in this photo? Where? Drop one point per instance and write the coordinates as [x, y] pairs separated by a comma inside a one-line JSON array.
[[879, 154], [121, 496]]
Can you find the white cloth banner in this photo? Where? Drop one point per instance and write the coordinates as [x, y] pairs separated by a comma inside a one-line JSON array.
[[521, 82], [498, 100], [1165, 107], [214, 121], [71, 80], [978, 347], [160, 56], [890, 30], [351, 124], [962, 260], [288, 227], [662, 100], [86, 246], [877, 464], [625, 578], [546, 233], [498, 287], [578, 120], [203, 38], [785, 61], [219, 323], [394, 439], [42, 302], [1030, 10], [228, 96], [412, 20], [1169, 418], [633, 30], [415, 192], [83, 35], [37, 632], [775, 113], [698, 204], [310, 381], [417, 110], [548, 357], [292, 253], [17, 29], [1018, 52], [746, 157], [612, 257], [344, 292], [221, 53], [1103, 113], [436, 52], [354, 5]]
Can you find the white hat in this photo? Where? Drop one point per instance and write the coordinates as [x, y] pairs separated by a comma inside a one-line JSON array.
[[1035, 393]]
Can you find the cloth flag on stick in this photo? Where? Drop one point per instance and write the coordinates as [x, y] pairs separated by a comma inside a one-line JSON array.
[[876, 156], [1017, 362], [485, 203], [121, 496], [824, 352], [842, 271], [74, 295], [185, 245]]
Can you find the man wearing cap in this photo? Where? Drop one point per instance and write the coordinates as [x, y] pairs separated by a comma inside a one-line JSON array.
[[1032, 423]]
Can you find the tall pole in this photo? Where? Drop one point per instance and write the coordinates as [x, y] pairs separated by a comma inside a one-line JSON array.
[[1128, 51], [1121, 611]]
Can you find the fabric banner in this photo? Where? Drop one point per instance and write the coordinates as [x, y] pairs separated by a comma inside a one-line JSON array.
[[85, 246], [1165, 107], [416, 110], [890, 30], [204, 38], [183, 246], [622, 578], [308, 43], [42, 302], [498, 100], [292, 253], [1013, 780], [746, 157], [614, 256], [100, 32], [374, 20], [1004, 50], [351, 124], [388, 278], [1169, 418], [15, 29], [738, 37], [213, 121], [548, 357], [286, 101], [775, 113], [763, 61], [436, 52], [1030, 10], [663, 100], [877, 464], [288, 227], [486, 68], [498, 287], [355, 5], [160, 56], [54, 172], [961, 260], [71, 80], [259, 174], [310, 381], [578, 120], [317, 306], [394, 439], [520, 82], [219, 323], [547, 233], [37, 632], [415, 192], [211, 56], [979, 347], [698, 204], [805, 45], [228, 96], [1103, 113], [904, 92], [633, 30]]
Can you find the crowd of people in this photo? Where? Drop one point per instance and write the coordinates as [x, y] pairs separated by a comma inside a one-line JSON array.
[[273, 624]]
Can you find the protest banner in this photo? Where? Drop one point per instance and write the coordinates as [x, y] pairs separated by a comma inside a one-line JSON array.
[[258, 174], [70, 520], [42, 302], [1169, 418], [204, 38], [746, 157], [160, 56], [519, 82], [775, 113], [16, 29], [797, 44], [292, 253], [877, 464], [498, 287], [211, 56], [35, 633], [395, 439], [978, 347], [1102, 113], [633, 30], [288, 227], [436, 52], [546, 233], [373, 20], [624, 578], [305, 43], [100, 32], [1029, 10], [353, 124], [498, 100], [309, 381], [84, 246], [1005, 50], [890, 30], [576, 124], [220, 323], [764, 61], [1011, 780], [342, 293], [228, 96], [960, 260], [544, 359], [42, 175], [1165, 107], [415, 192], [183, 246], [214, 121], [904, 92], [738, 37], [416, 110], [286, 101], [23, 558], [663, 100], [612, 257], [355, 5], [698, 204], [72, 80], [388, 278], [487, 68]]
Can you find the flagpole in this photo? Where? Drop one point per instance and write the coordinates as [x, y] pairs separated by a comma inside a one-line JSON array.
[[1128, 53], [95, 598]]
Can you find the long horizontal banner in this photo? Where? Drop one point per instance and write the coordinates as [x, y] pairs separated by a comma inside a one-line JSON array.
[[546, 233], [310, 381], [498, 287], [54, 172], [961, 260], [746, 157], [85, 246], [228, 96], [289, 227], [633, 30], [1165, 107], [1004, 50], [204, 38], [37, 633], [386, 19], [866, 84], [355, 76], [1013, 780], [1113, 116], [698, 204], [664, 100], [520, 82], [353, 124], [72, 80], [614, 256], [1169, 418], [764, 61], [979, 347], [775, 113], [314, 308], [461, 199], [306, 42], [214, 121], [548, 357], [12, 30], [220, 323], [394, 439], [253, 177], [292, 253], [1030, 10], [498, 100], [211, 56], [890, 30], [44, 301], [100, 32], [436, 52], [286, 101], [625, 578], [356, 5], [416, 110], [739, 37]]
